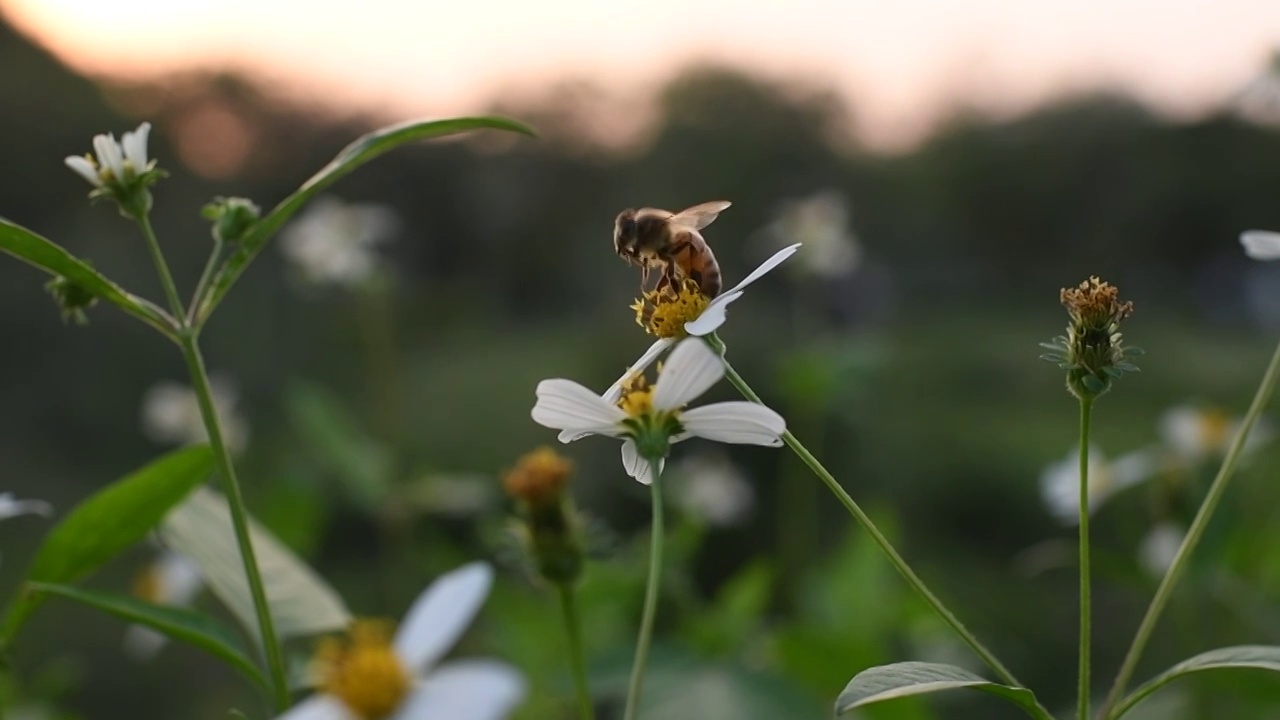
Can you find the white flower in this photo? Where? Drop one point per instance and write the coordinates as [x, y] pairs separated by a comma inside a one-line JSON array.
[[171, 414], [333, 241], [1261, 244], [1060, 481], [820, 223], [374, 677], [11, 507], [690, 371], [1194, 434], [1159, 547], [171, 579], [711, 487], [114, 162]]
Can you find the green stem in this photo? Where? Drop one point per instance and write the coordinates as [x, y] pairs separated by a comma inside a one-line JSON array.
[[239, 517], [650, 597], [162, 267], [1194, 533], [1082, 686], [573, 629], [197, 298], [867, 524]]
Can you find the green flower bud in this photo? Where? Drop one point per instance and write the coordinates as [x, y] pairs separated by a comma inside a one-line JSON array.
[[72, 298], [231, 217], [1092, 351], [552, 529]]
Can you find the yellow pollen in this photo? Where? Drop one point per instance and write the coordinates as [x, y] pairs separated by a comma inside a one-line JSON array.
[[1214, 426], [664, 316], [146, 585], [363, 671], [539, 477], [637, 395]]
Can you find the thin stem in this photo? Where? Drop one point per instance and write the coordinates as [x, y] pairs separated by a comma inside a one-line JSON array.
[[573, 629], [1082, 686], [239, 518], [162, 267], [1194, 533], [650, 597], [883, 542], [197, 298]]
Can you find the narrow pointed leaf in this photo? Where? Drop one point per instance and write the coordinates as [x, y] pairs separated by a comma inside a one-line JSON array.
[[904, 679], [364, 149], [55, 260], [181, 624], [302, 603], [110, 521], [1257, 657]]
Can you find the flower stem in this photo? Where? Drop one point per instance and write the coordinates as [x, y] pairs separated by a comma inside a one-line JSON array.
[[883, 542], [162, 267], [1194, 534], [202, 287], [572, 627], [239, 517], [1082, 686], [650, 597]]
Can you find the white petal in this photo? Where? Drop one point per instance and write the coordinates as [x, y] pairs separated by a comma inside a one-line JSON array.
[[465, 690], [636, 466], [135, 146], [1131, 469], [109, 154], [11, 507], [142, 643], [84, 169], [1160, 547], [713, 316], [566, 405], [441, 614], [179, 579], [660, 346], [744, 423], [765, 267], [1261, 244], [691, 369], [318, 707]]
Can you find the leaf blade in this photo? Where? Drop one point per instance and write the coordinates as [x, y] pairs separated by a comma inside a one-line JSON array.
[[1256, 657], [52, 258], [905, 679], [361, 150], [111, 520], [181, 624]]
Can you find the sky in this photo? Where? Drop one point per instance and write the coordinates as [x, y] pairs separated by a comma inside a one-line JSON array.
[[903, 64]]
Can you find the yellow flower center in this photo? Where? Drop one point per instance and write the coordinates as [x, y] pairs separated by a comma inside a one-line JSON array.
[[637, 395], [1214, 426], [664, 316], [539, 477], [363, 671], [146, 585]]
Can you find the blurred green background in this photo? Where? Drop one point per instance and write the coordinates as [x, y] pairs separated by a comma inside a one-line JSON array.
[[901, 345]]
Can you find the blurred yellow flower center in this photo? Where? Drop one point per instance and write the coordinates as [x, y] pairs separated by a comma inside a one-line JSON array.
[[147, 586], [664, 316], [539, 477], [364, 671], [637, 395], [1214, 426]]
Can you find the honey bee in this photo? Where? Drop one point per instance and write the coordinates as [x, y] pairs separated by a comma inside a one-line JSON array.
[[660, 239]]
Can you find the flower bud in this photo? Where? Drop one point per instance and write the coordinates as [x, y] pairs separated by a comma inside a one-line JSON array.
[[73, 298], [231, 217], [553, 535], [1092, 352]]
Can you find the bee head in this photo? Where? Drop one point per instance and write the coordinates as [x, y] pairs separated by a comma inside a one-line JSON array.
[[625, 235]]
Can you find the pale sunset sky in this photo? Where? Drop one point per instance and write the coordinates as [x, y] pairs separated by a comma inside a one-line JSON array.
[[900, 63]]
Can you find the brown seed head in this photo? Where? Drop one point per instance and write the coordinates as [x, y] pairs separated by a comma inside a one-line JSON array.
[[539, 477]]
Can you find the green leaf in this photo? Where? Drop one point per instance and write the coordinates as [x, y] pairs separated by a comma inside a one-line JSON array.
[[1053, 357], [1257, 657], [898, 680], [302, 603], [1128, 367], [364, 149], [181, 624], [110, 521], [53, 259]]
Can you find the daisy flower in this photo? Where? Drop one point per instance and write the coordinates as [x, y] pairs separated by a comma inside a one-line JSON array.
[[821, 223], [1194, 434], [171, 414], [713, 488], [11, 507], [1060, 481], [120, 169], [1159, 547], [373, 675], [171, 579], [334, 242], [641, 411], [1261, 244]]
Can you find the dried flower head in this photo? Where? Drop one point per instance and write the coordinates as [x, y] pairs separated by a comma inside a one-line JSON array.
[[550, 529], [1092, 352], [539, 477]]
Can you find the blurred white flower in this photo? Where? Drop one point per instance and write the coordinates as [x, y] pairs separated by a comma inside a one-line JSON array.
[[710, 486], [1060, 481], [333, 242], [11, 507], [1194, 434], [171, 414], [171, 579], [114, 163], [375, 677], [1159, 547], [1261, 244], [691, 370], [820, 222]]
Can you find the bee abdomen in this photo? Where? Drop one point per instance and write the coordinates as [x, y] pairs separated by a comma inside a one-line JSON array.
[[711, 282]]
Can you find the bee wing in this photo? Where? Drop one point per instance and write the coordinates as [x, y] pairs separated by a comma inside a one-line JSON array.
[[700, 216]]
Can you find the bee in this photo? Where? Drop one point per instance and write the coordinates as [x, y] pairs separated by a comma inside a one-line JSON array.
[[660, 239]]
